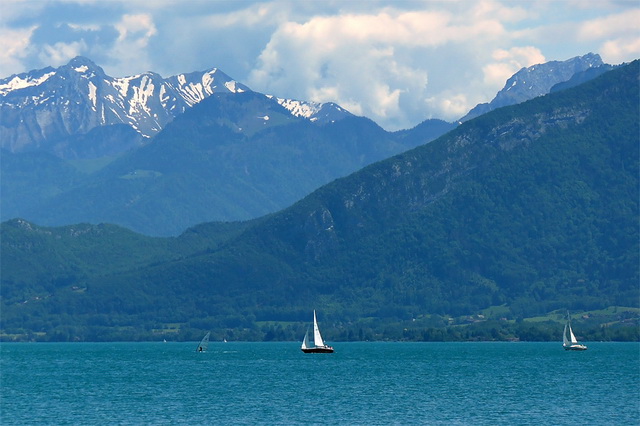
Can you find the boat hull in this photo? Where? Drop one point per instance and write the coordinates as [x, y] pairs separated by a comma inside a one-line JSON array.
[[323, 350], [575, 348]]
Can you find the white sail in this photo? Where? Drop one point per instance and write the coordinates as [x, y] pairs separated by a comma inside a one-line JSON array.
[[305, 341], [573, 337], [565, 341], [204, 343], [317, 337]]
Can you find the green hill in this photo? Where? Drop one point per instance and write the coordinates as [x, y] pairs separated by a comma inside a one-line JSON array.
[[527, 210]]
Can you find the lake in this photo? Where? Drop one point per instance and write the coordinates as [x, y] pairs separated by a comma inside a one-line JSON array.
[[372, 383]]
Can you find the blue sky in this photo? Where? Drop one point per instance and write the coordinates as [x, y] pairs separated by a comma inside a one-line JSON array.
[[396, 62]]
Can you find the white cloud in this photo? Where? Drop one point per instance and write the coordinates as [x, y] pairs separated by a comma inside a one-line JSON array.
[[15, 46], [619, 35], [136, 28], [453, 105], [508, 62], [616, 25], [131, 47], [620, 50], [60, 53], [397, 62], [499, 11], [253, 14], [376, 63]]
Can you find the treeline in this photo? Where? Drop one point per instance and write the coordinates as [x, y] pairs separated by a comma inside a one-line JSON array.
[[622, 325]]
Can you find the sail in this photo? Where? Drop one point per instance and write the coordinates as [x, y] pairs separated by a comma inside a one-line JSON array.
[[317, 337], [305, 341], [565, 341], [204, 343], [573, 337]]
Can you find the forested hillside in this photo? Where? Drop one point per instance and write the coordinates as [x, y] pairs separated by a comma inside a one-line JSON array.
[[522, 212]]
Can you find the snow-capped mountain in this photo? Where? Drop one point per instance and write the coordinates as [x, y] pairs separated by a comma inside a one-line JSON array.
[[534, 81], [314, 111], [43, 109]]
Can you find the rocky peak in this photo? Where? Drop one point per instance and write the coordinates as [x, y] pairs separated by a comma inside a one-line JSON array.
[[534, 81]]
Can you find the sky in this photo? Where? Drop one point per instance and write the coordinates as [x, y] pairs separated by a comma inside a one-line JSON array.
[[397, 62]]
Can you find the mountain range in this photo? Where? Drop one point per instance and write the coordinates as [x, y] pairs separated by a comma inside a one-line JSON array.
[[47, 109], [84, 150], [525, 210], [159, 155]]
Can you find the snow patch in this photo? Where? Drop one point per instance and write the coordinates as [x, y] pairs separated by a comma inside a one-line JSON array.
[[233, 87], [164, 97], [192, 93], [20, 83], [141, 95], [207, 82], [300, 109], [92, 94], [122, 85]]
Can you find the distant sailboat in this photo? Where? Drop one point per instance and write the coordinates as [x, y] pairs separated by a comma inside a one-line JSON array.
[[204, 343], [318, 344], [569, 342]]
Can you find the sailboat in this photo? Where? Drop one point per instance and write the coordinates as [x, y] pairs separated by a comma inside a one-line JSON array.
[[204, 343], [570, 343], [319, 346]]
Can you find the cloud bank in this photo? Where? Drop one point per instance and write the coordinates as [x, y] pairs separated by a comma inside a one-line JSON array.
[[396, 62]]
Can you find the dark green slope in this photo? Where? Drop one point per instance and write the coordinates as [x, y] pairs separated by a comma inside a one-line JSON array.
[[532, 207], [34, 256], [535, 206], [47, 273]]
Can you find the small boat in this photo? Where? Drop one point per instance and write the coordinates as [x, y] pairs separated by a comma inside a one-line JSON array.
[[204, 343], [319, 347], [570, 343]]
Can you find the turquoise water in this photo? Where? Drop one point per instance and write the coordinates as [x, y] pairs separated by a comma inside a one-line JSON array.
[[361, 384]]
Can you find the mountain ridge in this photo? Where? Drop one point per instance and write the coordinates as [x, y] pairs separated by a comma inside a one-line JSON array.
[[41, 109], [535, 80]]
